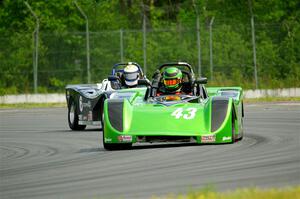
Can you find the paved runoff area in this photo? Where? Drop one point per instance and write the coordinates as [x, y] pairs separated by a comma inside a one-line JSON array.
[[41, 158]]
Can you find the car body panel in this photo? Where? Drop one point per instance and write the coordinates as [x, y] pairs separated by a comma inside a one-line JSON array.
[[142, 119], [89, 98]]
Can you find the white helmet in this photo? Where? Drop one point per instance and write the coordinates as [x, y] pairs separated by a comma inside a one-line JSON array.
[[131, 75]]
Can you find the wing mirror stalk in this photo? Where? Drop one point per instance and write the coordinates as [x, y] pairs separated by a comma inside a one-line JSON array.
[[113, 78], [146, 83], [201, 80]]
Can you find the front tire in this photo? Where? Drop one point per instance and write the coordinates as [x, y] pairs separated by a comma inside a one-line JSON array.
[[106, 145], [73, 117]]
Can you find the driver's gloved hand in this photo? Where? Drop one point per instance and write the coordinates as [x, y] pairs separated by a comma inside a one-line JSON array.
[[156, 74]]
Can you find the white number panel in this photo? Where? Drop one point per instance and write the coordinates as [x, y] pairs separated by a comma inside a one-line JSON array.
[[186, 114]]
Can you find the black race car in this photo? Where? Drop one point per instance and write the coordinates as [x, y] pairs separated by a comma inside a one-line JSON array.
[[85, 101]]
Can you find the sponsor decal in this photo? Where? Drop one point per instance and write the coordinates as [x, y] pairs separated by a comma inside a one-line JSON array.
[[90, 116], [107, 139], [125, 138], [208, 138], [80, 104], [226, 138]]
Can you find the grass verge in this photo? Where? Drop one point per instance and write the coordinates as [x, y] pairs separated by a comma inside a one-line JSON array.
[[246, 193]]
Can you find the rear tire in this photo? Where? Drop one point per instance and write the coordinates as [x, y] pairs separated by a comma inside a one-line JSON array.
[[233, 128], [73, 117], [242, 127], [242, 123]]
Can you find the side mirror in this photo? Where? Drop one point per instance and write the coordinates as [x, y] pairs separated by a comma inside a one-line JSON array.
[[144, 82], [113, 78], [202, 80]]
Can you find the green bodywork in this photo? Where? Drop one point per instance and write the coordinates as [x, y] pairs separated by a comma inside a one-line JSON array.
[[142, 118]]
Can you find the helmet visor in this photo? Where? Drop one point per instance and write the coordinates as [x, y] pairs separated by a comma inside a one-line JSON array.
[[131, 76], [171, 82]]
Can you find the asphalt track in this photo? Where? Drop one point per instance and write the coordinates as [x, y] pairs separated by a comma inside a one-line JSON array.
[[42, 158]]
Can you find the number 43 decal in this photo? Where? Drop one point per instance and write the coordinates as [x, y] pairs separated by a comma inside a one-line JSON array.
[[188, 114]]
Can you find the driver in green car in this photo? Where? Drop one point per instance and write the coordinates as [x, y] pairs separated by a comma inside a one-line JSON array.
[[171, 82]]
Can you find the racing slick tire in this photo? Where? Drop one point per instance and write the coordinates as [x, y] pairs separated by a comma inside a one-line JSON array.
[[73, 117], [233, 128], [242, 123]]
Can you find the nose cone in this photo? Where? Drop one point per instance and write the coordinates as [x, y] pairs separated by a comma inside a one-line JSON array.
[[185, 119]]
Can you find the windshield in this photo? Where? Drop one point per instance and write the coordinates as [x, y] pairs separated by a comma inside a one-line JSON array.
[[122, 95], [230, 93], [174, 99]]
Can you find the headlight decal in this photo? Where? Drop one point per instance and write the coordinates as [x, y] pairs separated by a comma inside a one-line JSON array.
[[115, 113], [218, 112]]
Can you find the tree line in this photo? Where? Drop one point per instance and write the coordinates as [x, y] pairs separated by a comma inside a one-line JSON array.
[[170, 36]]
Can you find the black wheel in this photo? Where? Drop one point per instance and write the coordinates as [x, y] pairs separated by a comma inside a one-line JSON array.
[[241, 128], [73, 117], [242, 121], [233, 128], [240, 138]]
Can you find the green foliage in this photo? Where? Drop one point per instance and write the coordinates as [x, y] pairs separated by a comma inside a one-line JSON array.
[[171, 36], [56, 83], [8, 90], [244, 193]]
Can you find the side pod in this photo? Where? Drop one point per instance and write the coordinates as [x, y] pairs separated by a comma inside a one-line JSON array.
[[115, 113], [218, 111]]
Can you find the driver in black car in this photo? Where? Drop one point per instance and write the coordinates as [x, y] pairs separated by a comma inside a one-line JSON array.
[[131, 76], [128, 78]]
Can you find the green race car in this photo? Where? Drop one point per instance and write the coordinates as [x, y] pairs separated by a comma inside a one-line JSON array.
[[200, 115]]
